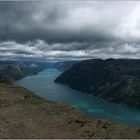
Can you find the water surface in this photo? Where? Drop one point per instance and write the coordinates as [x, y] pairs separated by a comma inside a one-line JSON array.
[[43, 85]]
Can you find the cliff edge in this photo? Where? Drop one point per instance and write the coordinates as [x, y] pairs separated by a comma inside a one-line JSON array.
[[24, 115], [114, 80]]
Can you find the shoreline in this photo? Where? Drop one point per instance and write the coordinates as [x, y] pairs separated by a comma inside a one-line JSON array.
[[25, 115]]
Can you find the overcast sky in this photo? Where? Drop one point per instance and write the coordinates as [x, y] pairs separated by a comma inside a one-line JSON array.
[[69, 29]]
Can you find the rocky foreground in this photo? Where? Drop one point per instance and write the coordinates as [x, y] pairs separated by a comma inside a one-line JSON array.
[[24, 115]]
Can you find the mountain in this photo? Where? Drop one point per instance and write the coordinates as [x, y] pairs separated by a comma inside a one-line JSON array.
[[63, 65], [24, 115], [16, 70], [115, 80], [5, 79]]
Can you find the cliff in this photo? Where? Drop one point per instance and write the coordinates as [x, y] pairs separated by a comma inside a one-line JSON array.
[[16, 70], [24, 115], [115, 80]]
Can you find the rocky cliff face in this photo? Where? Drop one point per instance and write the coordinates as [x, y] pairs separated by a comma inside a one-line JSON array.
[[15, 70], [24, 115], [5, 79], [62, 66], [113, 80]]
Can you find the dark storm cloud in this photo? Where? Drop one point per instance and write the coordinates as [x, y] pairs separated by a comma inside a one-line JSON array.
[[69, 29], [55, 21]]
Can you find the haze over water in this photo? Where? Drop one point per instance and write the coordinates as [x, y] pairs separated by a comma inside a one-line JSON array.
[[43, 85]]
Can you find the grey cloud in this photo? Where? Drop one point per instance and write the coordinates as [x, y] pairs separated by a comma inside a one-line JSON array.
[[42, 50], [63, 21], [69, 29]]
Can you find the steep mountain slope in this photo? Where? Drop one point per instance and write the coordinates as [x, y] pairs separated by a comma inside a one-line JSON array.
[[24, 115], [64, 65], [11, 72], [15, 70], [5, 79], [113, 80]]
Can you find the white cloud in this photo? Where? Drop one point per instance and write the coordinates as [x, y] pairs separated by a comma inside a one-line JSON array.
[[131, 24], [43, 50]]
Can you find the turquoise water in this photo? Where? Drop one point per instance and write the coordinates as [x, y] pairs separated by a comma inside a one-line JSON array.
[[43, 86]]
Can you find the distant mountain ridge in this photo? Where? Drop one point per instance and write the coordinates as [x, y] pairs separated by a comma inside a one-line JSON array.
[[16, 70], [115, 80]]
